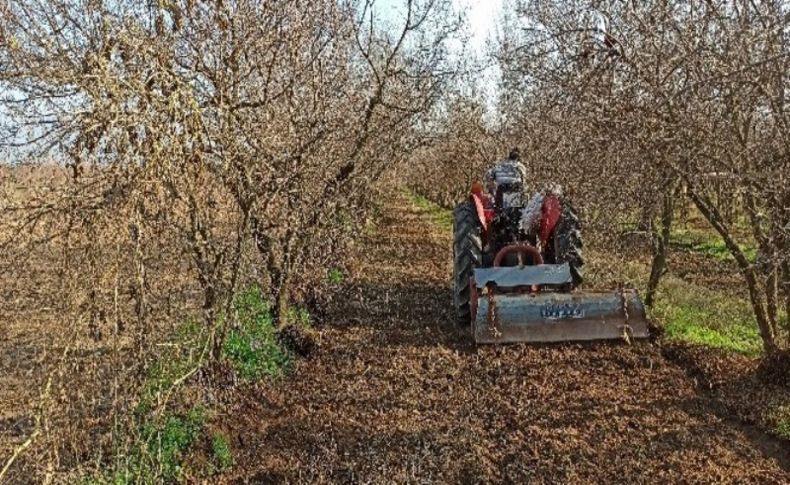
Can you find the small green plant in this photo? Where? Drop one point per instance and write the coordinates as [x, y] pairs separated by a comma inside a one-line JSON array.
[[223, 456], [690, 312], [369, 229], [169, 440], [345, 218], [157, 456], [298, 316], [685, 324], [335, 276], [253, 350], [251, 346], [783, 429]]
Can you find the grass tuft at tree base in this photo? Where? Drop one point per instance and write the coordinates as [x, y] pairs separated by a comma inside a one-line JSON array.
[[158, 453], [251, 346], [691, 313], [334, 276], [155, 448], [170, 439], [184, 353], [779, 417]]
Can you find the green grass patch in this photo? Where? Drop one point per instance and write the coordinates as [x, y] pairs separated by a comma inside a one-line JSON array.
[[155, 445], [251, 346], [298, 316], [783, 429], [687, 312], [369, 228], [778, 421], [698, 315], [221, 451], [781, 416], [709, 243], [439, 215], [170, 439]]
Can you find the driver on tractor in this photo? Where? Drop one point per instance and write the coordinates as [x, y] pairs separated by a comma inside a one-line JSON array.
[[505, 181]]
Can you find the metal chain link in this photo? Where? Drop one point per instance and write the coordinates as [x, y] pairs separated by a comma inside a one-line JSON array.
[[627, 331]]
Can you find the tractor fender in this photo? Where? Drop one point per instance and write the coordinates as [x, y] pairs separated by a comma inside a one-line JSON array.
[[550, 216], [482, 205]]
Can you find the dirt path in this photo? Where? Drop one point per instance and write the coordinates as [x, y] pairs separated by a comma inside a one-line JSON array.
[[397, 394]]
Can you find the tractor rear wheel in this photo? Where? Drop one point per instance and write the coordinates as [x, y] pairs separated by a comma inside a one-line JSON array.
[[568, 243], [467, 255]]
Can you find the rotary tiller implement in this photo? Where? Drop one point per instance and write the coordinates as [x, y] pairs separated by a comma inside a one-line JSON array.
[[509, 290]]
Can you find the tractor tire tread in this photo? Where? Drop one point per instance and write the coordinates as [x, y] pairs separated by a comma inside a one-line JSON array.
[[467, 255]]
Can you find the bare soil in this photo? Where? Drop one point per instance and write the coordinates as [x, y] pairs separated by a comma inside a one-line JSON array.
[[395, 392]]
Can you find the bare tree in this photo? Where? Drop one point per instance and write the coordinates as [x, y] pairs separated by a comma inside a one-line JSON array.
[[197, 146]]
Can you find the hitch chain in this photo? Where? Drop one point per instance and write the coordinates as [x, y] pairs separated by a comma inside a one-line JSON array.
[[627, 331], [492, 314]]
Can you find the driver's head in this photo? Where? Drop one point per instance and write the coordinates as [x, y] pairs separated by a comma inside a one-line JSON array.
[[514, 154]]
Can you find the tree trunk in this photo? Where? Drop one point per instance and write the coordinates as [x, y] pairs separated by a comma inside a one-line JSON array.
[[218, 333], [282, 300], [766, 330], [278, 286], [140, 287], [772, 297], [660, 246], [280, 269], [646, 219], [284, 288], [684, 206]]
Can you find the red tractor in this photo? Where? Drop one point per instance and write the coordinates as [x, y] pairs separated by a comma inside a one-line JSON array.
[[517, 267]]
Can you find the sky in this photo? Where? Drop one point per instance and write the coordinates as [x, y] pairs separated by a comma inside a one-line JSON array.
[[482, 16]]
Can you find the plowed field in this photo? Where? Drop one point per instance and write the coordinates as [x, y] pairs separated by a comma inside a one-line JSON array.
[[397, 393]]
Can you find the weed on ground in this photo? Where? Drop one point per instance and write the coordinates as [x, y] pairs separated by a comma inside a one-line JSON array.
[[223, 455], [156, 448]]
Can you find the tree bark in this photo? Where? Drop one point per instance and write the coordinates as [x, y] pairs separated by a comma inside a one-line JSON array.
[[772, 297]]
